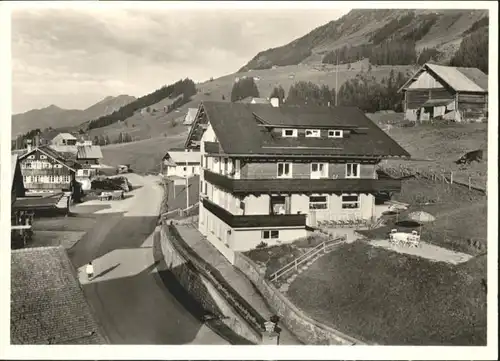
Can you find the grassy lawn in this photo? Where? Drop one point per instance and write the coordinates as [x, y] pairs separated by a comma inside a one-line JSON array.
[[395, 299], [461, 215], [275, 257], [443, 144]]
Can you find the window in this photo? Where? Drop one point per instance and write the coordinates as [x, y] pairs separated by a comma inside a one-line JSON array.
[[335, 134], [270, 234], [31, 157], [225, 166], [284, 170], [216, 167], [289, 133], [318, 202], [192, 169], [319, 170], [85, 172], [184, 168], [43, 156], [27, 165], [278, 205], [350, 201], [313, 133], [51, 179], [205, 185], [47, 165], [352, 170], [57, 166]]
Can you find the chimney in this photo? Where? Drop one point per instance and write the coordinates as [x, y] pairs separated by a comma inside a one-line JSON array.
[[28, 145], [275, 102], [37, 141]]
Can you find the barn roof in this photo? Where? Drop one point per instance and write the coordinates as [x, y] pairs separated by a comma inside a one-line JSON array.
[[47, 302], [89, 152], [244, 129], [459, 79], [254, 100], [181, 157], [66, 136]]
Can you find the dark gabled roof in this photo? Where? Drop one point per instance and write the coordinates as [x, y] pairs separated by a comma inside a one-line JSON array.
[[66, 159], [239, 133], [48, 305]]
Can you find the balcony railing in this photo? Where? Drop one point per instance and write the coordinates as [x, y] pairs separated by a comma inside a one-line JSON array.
[[291, 185], [260, 220]]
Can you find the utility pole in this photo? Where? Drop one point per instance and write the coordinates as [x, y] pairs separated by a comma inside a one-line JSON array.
[[187, 187]]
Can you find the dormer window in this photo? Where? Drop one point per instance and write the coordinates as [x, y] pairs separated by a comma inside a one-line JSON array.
[[335, 134], [288, 133], [313, 133]]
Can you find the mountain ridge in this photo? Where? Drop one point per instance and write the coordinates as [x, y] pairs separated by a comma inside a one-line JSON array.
[[440, 29], [54, 116]]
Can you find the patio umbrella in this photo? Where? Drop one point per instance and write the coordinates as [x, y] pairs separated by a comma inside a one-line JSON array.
[[421, 217]]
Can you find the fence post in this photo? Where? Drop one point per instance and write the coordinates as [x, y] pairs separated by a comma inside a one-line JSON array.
[[451, 177], [469, 183], [296, 266], [324, 247]]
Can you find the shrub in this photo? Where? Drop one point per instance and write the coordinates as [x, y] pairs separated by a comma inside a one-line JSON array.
[[261, 245]]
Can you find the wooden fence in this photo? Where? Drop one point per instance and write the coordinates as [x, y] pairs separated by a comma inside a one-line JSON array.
[[445, 176], [323, 247]]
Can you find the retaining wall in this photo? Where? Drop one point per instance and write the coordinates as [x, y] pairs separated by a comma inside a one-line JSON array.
[[202, 286], [307, 330]]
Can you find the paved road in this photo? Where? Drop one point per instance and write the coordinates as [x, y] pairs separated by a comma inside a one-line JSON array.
[[127, 295]]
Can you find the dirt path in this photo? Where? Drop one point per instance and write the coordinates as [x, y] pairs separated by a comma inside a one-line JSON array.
[[426, 250]]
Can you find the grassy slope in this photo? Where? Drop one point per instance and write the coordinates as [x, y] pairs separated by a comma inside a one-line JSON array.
[[157, 125], [461, 215], [394, 299], [444, 145], [358, 26], [144, 155]]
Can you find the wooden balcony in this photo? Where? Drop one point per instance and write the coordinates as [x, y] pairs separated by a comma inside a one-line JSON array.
[[212, 147], [329, 186], [260, 220]]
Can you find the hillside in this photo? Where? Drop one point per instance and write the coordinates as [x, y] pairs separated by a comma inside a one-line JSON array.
[[442, 30], [55, 117], [143, 126]]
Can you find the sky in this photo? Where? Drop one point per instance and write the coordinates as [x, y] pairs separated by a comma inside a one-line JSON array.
[[74, 58]]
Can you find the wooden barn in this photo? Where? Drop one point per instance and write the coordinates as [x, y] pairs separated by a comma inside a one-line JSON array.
[[443, 92]]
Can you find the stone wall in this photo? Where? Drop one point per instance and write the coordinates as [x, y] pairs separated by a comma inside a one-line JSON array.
[[307, 330], [204, 288]]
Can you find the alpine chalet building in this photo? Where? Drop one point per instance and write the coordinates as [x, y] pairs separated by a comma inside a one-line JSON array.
[[269, 173]]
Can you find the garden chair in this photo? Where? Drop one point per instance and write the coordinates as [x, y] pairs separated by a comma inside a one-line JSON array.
[[413, 241]]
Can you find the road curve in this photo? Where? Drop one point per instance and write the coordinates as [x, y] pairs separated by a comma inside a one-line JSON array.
[[131, 303]]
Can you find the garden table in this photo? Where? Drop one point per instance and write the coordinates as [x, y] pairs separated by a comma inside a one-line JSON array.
[[400, 237]]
